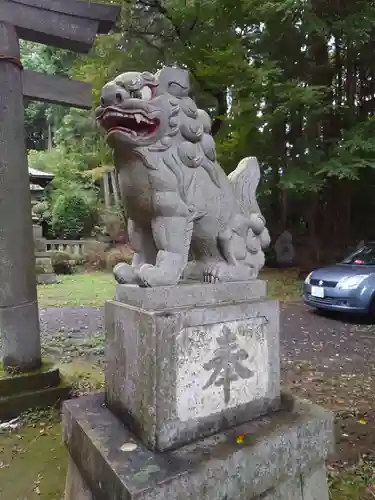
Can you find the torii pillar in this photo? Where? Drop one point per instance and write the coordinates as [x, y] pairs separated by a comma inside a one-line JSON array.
[[69, 24]]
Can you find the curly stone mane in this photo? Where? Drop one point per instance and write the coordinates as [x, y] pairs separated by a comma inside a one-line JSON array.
[[195, 145]]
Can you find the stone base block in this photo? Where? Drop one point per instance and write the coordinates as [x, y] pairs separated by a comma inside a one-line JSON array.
[[44, 269], [187, 361], [40, 245], [47, 279], [37, 232], [277, 457], [37, 389]]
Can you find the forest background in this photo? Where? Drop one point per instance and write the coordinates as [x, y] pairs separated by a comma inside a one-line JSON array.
[[291, 82]]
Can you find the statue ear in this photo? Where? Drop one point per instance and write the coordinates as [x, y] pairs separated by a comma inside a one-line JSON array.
[[175, 81]]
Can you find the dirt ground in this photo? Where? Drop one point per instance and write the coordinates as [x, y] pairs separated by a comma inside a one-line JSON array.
[[329, 359]]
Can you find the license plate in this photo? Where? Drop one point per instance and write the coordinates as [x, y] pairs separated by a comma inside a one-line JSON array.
[[317, 291]]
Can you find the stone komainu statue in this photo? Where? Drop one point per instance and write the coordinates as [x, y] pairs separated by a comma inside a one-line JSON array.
[[187, 219]]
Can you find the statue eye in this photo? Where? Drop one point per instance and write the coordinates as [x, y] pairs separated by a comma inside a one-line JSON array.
[[146, 93], [136, 94]]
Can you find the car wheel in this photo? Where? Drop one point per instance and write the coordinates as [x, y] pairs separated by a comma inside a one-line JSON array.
[[371, 309]]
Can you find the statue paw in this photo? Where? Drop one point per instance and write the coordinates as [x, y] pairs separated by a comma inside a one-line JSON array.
[[211, 274], [150, 276], [221, 271], [124, 274]]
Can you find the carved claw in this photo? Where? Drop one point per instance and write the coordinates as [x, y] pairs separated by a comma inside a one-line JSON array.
[[211, 274], [221, 271]]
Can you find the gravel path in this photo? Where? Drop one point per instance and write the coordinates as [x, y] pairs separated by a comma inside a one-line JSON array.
[[332, 343], [84, 321]]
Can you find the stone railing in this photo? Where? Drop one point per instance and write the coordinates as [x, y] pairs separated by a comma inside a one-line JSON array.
[[73, 247]]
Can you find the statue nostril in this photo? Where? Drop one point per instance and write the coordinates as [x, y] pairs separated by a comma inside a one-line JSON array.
[[118, 97], [102, 102]]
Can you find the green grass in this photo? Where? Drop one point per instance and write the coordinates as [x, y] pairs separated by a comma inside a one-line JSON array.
[[33, 461], [354, 483], [93, 289], [283, 284], [83, 289]]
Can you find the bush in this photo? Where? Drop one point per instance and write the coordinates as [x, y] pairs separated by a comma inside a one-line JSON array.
[[116, 256], [63, 263], [73, 215], [112, 226], [95, 255], [98, 257]]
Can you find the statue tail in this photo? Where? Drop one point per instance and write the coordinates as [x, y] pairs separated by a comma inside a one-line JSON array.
[[245, 180]]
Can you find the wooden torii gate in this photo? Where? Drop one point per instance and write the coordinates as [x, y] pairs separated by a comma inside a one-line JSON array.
[[68, 24]]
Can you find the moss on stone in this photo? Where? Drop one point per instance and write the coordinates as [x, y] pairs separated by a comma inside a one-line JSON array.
[[46, 366], [82, 376]]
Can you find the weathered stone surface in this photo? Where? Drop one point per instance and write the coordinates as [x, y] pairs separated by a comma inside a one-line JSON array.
[[21, 344], [190, 294], [270, 464], [46, 376], [47, 279], [19, 320], [284, 249], [314, 485], [13, 406], [40, 245], [56, 89], [287, 490], [37, 232], [76, 488], [45, 274], [53, 24], [44, 264], [181, 373], [187, 219]]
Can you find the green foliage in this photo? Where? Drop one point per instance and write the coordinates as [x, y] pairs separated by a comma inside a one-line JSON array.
[[112, 224], [40, 118], [73, 214], [291, 82]]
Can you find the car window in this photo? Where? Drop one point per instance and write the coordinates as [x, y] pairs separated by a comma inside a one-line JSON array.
[[363, 256]]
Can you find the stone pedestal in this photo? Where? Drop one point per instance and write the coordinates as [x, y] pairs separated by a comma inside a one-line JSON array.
[[276, 457], [45, 274], [39, 388], [185, 362], [192, 408]]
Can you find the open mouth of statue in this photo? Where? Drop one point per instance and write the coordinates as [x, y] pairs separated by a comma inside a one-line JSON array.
[[133, 124]]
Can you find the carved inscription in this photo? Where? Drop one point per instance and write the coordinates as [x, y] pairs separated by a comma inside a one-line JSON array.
[[227, 363], [221, 366]]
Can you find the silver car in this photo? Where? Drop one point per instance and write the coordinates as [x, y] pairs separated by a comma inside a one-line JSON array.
[[347, 286]]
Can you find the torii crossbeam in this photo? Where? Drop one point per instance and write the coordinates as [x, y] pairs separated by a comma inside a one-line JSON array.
[[69, 24]]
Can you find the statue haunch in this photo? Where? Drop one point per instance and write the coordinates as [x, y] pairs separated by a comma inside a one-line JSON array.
[[187, 219]]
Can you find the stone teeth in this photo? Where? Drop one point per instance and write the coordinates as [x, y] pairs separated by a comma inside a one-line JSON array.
[[134, 116]]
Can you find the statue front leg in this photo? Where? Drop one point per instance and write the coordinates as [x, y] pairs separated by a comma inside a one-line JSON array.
[[142, 243], [172, 236]]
